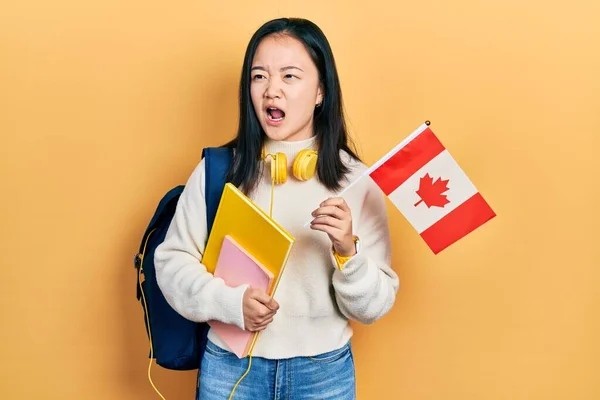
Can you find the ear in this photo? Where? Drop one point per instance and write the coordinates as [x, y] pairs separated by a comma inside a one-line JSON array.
[[320, 95]]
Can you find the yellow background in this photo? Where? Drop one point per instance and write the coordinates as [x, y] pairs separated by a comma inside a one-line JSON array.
[[104, 105]]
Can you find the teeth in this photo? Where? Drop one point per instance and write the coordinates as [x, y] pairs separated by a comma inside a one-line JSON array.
[[270, 116]]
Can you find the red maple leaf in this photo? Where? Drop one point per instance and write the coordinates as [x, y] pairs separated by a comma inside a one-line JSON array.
[[431, 192]]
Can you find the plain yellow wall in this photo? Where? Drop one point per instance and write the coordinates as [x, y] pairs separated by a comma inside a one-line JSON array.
[[104, 105]]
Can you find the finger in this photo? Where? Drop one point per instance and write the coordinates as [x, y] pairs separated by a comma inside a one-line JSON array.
[[263, 321], [264, 324], [264, 313], [336, 202], [332, 211], [269, 303], [334, 233], [257, 328], [272, 305], [265, 299], [253, 328], [327, 220]]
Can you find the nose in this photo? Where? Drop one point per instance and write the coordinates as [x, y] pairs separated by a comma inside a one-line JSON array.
[[273, 89]]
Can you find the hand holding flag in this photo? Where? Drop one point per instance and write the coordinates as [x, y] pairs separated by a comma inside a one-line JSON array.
[[430, 189]]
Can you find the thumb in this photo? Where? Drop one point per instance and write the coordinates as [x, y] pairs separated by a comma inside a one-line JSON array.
[[266, 300]]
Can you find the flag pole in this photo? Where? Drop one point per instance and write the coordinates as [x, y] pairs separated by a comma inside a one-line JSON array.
[[382, 160], [396, 148]]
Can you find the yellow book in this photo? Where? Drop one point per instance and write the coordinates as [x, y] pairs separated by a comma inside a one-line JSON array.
[[253, 229]]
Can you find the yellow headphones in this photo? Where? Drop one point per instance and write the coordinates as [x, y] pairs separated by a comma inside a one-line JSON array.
[[304, 168]]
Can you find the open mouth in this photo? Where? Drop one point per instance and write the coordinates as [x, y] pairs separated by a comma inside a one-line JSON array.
[[275, 114]]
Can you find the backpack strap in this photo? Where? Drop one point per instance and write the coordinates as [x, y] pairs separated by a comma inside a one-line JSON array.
[[217, 161], [170, 196]]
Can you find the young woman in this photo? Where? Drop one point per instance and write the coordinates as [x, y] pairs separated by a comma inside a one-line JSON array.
[[339, 270]]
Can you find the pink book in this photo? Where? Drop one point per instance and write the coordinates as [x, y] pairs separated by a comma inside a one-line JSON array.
[[237, 267]]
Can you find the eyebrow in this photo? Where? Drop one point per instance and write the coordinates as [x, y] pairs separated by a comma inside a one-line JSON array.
[[282, 69]]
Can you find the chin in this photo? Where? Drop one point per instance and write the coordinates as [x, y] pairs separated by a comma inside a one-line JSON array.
[[279, 136], [282, 134], [276, 133]]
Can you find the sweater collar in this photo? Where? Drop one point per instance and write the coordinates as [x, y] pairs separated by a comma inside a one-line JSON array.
[[290, 148]]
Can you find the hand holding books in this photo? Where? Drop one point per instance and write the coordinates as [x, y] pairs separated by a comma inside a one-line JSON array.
[[259, 309]]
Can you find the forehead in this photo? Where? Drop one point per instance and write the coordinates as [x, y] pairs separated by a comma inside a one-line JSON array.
[[278, 51]]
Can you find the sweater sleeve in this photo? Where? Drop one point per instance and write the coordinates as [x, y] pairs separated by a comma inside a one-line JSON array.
[[366, 286], [188, 287]]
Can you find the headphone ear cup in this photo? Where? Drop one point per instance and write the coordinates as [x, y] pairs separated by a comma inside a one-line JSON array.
[[279, 168], [305, 165]]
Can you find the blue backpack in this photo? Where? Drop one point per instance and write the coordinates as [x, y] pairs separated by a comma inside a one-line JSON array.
[[176, 342]]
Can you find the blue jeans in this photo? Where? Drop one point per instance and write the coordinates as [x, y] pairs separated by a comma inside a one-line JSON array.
[[328, 376]]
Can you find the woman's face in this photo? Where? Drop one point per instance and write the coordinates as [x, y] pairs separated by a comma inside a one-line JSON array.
[[285, 88]]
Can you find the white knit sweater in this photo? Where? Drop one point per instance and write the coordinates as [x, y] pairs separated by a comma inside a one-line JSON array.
[[316, 298]]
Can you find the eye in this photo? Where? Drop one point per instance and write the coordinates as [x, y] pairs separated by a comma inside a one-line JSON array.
[[290, 76], [258, 77]]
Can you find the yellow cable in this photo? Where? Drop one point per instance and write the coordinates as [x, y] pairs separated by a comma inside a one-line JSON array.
[[272, 196], [273, 159], [147, 317], [249, 366], [255, 336]]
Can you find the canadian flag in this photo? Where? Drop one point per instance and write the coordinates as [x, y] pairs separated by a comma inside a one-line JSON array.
[[431, 190]]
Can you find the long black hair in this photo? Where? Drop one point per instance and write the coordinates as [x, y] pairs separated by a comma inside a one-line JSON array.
[[329, 123]]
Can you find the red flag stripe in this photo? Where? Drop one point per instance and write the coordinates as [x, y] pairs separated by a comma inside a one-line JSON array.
[[461, 221], [408, 160]]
